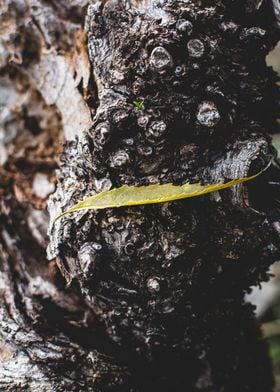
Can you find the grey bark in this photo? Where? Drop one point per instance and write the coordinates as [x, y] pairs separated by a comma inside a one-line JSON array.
[[143, 298]]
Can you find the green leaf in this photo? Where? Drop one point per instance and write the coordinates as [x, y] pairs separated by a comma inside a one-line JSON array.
[[138, 104], [149, 194]]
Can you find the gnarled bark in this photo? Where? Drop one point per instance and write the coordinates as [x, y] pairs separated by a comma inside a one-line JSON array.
[[153, 296]]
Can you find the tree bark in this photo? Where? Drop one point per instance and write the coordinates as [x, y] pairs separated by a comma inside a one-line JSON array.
[[147, 298]]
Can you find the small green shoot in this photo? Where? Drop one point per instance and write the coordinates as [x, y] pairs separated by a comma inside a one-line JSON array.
[[138, 104]]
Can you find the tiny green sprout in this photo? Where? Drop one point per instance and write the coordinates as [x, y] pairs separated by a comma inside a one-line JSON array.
[[138, 104]]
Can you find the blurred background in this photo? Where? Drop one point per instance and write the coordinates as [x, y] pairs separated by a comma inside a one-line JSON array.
[[267, 297]]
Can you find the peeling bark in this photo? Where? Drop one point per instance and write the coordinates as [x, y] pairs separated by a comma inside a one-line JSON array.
[[147, 298]]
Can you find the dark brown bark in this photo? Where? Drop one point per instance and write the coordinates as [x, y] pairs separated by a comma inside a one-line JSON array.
[[146, 298]]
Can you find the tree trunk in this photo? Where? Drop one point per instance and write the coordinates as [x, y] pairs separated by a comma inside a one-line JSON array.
[[147, 298]]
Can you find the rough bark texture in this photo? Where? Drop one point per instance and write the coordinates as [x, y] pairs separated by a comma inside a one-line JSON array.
[[155, 294]]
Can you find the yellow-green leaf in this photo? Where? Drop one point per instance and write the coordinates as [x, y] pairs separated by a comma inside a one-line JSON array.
[[149, 194]]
